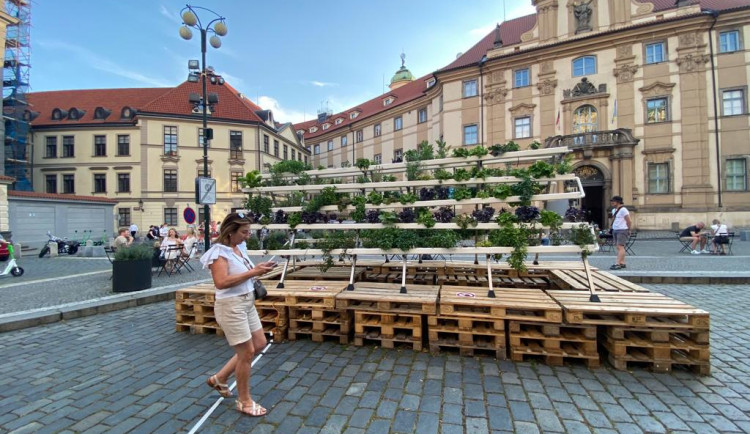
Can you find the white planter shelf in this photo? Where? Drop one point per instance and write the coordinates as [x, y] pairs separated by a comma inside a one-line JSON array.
[[398, 185], [446, 163], [354, 226], [424, 251]]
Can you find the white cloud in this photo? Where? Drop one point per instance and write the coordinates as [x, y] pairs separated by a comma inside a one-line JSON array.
[[171, 15], [279, 113], [482, 31], [322, 83], [97, 62]]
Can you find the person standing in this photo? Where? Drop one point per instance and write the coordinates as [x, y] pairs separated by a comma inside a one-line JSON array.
[[233, 275], [163, 231], [133, 230], [621, 226], [123, 240]]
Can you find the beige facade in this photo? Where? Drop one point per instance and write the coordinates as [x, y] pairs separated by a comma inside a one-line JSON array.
[[634, 97], [154, 160]]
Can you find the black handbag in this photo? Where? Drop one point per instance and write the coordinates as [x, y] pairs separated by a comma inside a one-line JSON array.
[[259, 289]]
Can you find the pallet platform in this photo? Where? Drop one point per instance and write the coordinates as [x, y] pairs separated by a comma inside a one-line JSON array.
[[385, 297], [603, 281], [469, 336], [306, 293], [319, 324], [509, 303], [630, 309], [555, 343], [334, 273]]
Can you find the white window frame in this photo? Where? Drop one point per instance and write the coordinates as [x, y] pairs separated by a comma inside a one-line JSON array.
[[398, 123], [735, 109], [739, 179], [316, 149], [344, 140], [724, 42], [471, 134], [377, 159], [651, 59], [584, 71], [521, 129], [526, 72], [667, 117], [422, 115], [470, 88], [661, 184], [377, 130], [330, 145]]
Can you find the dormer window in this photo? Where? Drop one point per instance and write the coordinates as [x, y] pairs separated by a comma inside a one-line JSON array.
[[58, 114], [388, 101], [74, 114], [127, 113], [101, 113], [300, 132], [430, 83], [313, 129], [339, 120], [353, 115], [326, 126]]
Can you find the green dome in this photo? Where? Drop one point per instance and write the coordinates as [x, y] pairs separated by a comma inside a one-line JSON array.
[[402, 74]]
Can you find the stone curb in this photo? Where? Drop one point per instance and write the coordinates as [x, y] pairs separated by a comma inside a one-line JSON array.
[[48, 315]]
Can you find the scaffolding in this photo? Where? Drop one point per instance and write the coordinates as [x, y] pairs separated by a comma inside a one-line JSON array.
[[16, 117]]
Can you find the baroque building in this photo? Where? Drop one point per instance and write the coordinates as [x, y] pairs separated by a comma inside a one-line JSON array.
[[144, 147], [651, 97]]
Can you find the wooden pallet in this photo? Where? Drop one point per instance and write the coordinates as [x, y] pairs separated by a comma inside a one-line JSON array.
[[388, 329], [319, 324], [198, 294], [603, 281], [385, 297], [361, 340], [555, 343], [303, 293], [469, 336], [509, 303], [200, 329], [275, 320], [334, 273], [658, 349], [635, 309]]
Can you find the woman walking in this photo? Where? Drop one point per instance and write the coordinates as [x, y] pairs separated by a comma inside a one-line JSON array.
[[233, 275]]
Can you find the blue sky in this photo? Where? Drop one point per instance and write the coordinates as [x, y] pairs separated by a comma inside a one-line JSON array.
[[291, 56]]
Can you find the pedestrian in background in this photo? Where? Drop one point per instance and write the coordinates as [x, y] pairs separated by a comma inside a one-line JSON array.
[[233, 274], [621, 226], [133, 230]]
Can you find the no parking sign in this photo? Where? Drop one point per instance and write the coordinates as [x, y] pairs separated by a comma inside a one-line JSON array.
[[189, 215]]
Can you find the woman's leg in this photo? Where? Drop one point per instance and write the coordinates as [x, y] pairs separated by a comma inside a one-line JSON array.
[[244, 354], [227, 370]]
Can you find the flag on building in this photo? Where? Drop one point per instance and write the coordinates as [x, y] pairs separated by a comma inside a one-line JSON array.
[[557, 121], [614, 114]]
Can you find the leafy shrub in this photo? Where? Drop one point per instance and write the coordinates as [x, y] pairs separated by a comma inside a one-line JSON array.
[[135, 252]]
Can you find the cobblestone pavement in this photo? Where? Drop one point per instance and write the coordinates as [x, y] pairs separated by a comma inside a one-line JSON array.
[[130, 371]]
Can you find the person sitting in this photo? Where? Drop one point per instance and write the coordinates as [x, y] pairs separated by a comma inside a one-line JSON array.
[[169, 252], [124, 239], [188, 243], [721, 237], [693, 234]]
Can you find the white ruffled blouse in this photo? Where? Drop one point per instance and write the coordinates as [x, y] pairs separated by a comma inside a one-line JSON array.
[[236, 265]]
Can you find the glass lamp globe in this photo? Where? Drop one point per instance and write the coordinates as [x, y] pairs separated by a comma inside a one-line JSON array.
[[189, 18], [215, 41], [220, 28], [186, 33]]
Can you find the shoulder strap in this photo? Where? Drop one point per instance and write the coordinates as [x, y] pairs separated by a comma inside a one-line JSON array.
[[615, 216]]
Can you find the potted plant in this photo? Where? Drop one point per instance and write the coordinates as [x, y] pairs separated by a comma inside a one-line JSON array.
[[131, 268]]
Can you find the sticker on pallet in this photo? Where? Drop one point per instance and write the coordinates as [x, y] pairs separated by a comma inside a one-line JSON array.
[[508, 303], [386, 297]]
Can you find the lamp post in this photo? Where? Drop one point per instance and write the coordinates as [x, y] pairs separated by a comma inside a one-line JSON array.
[[190, 20]]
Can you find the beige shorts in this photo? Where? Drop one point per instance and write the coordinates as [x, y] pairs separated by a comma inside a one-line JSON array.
[[237, 317]]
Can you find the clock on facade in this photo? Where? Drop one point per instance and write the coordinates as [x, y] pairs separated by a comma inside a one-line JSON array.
[[205, 191]]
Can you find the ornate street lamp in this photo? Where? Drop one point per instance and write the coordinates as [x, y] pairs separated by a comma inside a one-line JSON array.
[[205, 187]]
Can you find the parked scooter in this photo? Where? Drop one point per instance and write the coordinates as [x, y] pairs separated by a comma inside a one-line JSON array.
[[11, 267], [63, 246]]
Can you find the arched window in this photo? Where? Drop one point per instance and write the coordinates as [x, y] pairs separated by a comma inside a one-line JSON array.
[[585, 119], [585, 65]]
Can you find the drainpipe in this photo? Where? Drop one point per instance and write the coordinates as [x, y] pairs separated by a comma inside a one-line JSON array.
[[481, 101], [715, 16]]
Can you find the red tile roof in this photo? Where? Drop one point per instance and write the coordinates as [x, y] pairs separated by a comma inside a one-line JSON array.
[[717, 5], [232, 105], [68, 197], [403, 94], [6, 179], [89, 100]]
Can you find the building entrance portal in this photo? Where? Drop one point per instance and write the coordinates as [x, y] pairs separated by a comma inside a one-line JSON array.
[[594, 204]]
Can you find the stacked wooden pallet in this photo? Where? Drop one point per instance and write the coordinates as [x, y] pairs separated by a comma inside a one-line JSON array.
[[554, 344], [470, 336], [312, 311], [194, 308], [273, 313], [644, 329], [384, 315]]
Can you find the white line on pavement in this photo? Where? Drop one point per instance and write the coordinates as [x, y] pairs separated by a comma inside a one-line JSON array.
[[54, 279], [208, 413]]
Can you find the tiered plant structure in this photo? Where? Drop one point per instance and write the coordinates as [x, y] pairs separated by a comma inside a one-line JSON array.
[[480, 201]]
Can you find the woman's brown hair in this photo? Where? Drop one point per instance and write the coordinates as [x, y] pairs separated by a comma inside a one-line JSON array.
[[230, 225]]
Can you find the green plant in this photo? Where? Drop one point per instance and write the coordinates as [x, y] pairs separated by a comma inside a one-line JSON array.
[[407, 198], [535, 145], [485, 243], [460, 153], [294, 219], [442, 174], [461, 175], [390, 238], [551, 219], [135, 252], [327, 196], [461, 193], [442, 149], [479, 151], [275, 240], [334, 240], [564, 166], [388, 218], [375, 198], [389, 178], [251, 179], [582, 236], [413, 170], [252, 243], [439, 238], [465, 221], [426, 218], [363, 164], [525, 190], [483, 194], [541, 169], [259, 205], [501, 191], [289, 166]]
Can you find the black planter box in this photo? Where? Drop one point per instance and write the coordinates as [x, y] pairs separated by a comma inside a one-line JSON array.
[[128, 276]]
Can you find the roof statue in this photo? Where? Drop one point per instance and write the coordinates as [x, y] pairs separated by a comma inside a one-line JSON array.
[[402, 76]]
